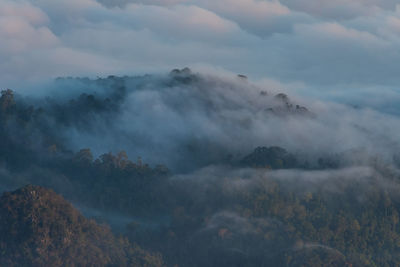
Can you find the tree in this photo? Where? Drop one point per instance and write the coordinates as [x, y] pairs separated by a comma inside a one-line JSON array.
[[6, 100]]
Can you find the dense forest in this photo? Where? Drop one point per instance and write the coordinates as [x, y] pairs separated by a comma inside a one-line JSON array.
[[224, 173], [40, 228]]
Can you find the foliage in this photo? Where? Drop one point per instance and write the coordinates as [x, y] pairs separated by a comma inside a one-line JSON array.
[[39, 228], [242, 216]]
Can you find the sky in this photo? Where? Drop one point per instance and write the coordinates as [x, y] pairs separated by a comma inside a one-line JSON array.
[[335, 49]]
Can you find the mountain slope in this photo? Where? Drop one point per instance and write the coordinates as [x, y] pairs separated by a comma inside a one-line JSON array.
[[40, 228]]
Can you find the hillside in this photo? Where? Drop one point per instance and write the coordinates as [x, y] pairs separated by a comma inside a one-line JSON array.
[[40, 228], [205, 170]]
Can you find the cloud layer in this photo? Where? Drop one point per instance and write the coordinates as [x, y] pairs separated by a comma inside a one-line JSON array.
[[321, 44]]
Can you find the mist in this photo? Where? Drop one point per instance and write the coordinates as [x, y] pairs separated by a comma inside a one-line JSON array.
[[187, 120], [194, 160]]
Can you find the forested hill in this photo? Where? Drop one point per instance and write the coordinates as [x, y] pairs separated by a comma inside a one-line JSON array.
[[40, 228], [206, 170]]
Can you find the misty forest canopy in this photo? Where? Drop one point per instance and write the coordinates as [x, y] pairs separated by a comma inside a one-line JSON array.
[[40, 228], [195, 169]]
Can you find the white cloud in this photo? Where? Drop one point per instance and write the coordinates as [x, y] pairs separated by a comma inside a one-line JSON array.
[[122, 3], [323, 43], [30, 13], [340, 9], [260, 17], [182, 22]]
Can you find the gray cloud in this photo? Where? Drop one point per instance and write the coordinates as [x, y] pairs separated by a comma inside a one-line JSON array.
[[320, 45]]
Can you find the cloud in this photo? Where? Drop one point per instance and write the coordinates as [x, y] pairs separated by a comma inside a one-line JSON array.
[[340, 9], [329, 44], [29, 12], [24, 28], [123, 3], [187, 22], [260, 17]]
